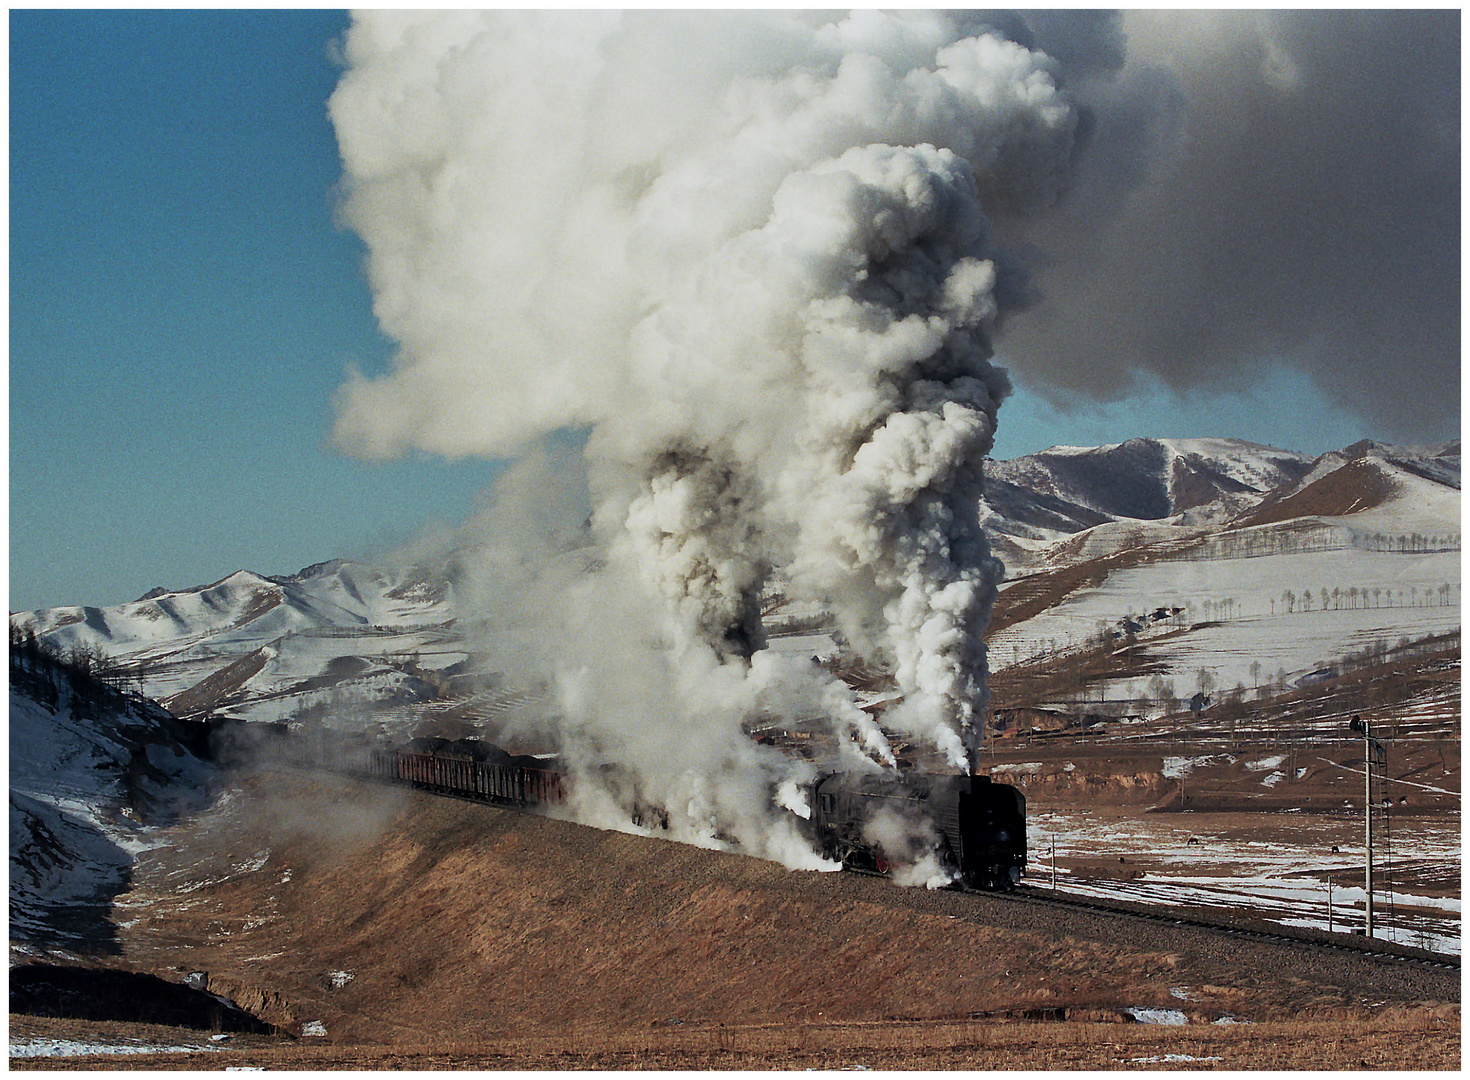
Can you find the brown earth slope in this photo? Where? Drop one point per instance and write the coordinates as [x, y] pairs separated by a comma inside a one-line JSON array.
[[391, 917], [1357, 486]]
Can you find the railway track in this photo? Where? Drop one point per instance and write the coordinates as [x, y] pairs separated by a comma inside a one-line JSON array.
[[1373, 948]]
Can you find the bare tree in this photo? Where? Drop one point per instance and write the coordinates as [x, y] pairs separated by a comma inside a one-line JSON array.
[[1162, 690]]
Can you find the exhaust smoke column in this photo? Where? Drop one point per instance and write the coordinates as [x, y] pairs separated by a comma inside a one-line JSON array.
[[747, 252], [902, 405]]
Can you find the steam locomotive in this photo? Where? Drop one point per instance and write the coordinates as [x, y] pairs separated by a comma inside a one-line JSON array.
[[972, 828]]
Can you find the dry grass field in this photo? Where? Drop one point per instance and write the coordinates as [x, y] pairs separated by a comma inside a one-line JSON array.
[[1410, 1041]]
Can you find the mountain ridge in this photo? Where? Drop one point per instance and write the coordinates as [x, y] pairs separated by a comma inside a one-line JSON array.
[[364, 635]]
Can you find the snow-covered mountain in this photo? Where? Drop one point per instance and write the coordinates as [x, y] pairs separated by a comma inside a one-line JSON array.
[[1149, 479], [382, 642], [273, 647], [1036, 501]]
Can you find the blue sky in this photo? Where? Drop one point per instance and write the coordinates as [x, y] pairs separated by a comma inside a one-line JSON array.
[[182, 308]]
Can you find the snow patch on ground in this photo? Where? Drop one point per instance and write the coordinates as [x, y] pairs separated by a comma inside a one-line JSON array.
[[255, 862], [1168, 1017], [33, 1046], [1030, 768], [1289, 881], [1177, 768]]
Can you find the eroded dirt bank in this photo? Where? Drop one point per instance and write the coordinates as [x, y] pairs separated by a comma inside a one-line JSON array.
[[388, 917]]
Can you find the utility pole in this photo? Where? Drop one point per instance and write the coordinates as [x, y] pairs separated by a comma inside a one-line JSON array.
[[1371, 748], [1368, 829]]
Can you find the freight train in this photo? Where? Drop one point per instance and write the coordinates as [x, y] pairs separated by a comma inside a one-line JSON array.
[[472, 770], [972, 826]]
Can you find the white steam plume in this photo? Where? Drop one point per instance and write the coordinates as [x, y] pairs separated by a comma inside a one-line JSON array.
[[748, 253]]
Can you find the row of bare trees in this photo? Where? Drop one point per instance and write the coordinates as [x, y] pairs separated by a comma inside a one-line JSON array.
[[1353, 597], [1254, 543], [1161, 690]]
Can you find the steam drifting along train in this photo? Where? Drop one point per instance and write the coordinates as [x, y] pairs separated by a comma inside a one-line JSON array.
[[971, 827]]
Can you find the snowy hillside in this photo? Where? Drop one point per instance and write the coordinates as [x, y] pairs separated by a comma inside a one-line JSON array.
[[1361, 550], [1151, 478], [90, 768], [272, 647], [1146, 490], [1042, 497]]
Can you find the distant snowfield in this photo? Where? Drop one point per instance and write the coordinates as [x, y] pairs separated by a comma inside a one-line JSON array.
[[1281, 876], [1256, 628]]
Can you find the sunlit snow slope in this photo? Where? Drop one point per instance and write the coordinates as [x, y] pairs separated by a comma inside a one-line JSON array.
[[1360, 548]]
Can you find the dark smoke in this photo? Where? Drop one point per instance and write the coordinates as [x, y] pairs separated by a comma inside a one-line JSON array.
[[1260, 186]]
